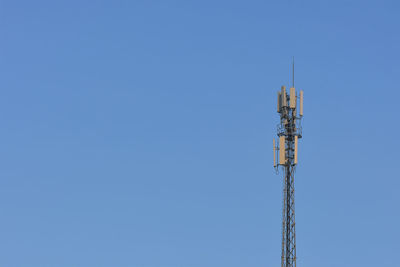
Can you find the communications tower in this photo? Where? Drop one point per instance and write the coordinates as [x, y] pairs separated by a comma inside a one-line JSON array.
[[289, 131]]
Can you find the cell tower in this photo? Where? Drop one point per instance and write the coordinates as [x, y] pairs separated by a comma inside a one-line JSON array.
[[289, 131]]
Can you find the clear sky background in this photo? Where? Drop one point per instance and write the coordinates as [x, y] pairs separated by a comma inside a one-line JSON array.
[[139, 133]]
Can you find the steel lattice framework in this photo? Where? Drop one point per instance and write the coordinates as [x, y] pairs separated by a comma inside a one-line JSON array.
[[289, 131], [288, 220]]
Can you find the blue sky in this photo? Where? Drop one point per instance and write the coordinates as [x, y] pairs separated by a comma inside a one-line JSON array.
[[139, 133]]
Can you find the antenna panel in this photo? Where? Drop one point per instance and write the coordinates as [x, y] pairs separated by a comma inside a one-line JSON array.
[[274, 152], [301, 102], [279, 102], [282, 151], [296, 139], [292, 97], [283, 96]]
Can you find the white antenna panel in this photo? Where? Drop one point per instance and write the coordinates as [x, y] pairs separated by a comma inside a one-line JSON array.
[[296, 139], [279, 102], [292, 97], [301, 102], [283, 96], [282, 151]]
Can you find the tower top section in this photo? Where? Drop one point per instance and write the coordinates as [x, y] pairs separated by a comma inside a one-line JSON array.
[[289, 130]]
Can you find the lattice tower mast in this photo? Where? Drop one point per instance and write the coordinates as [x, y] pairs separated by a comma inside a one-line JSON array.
[[289, 131]]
